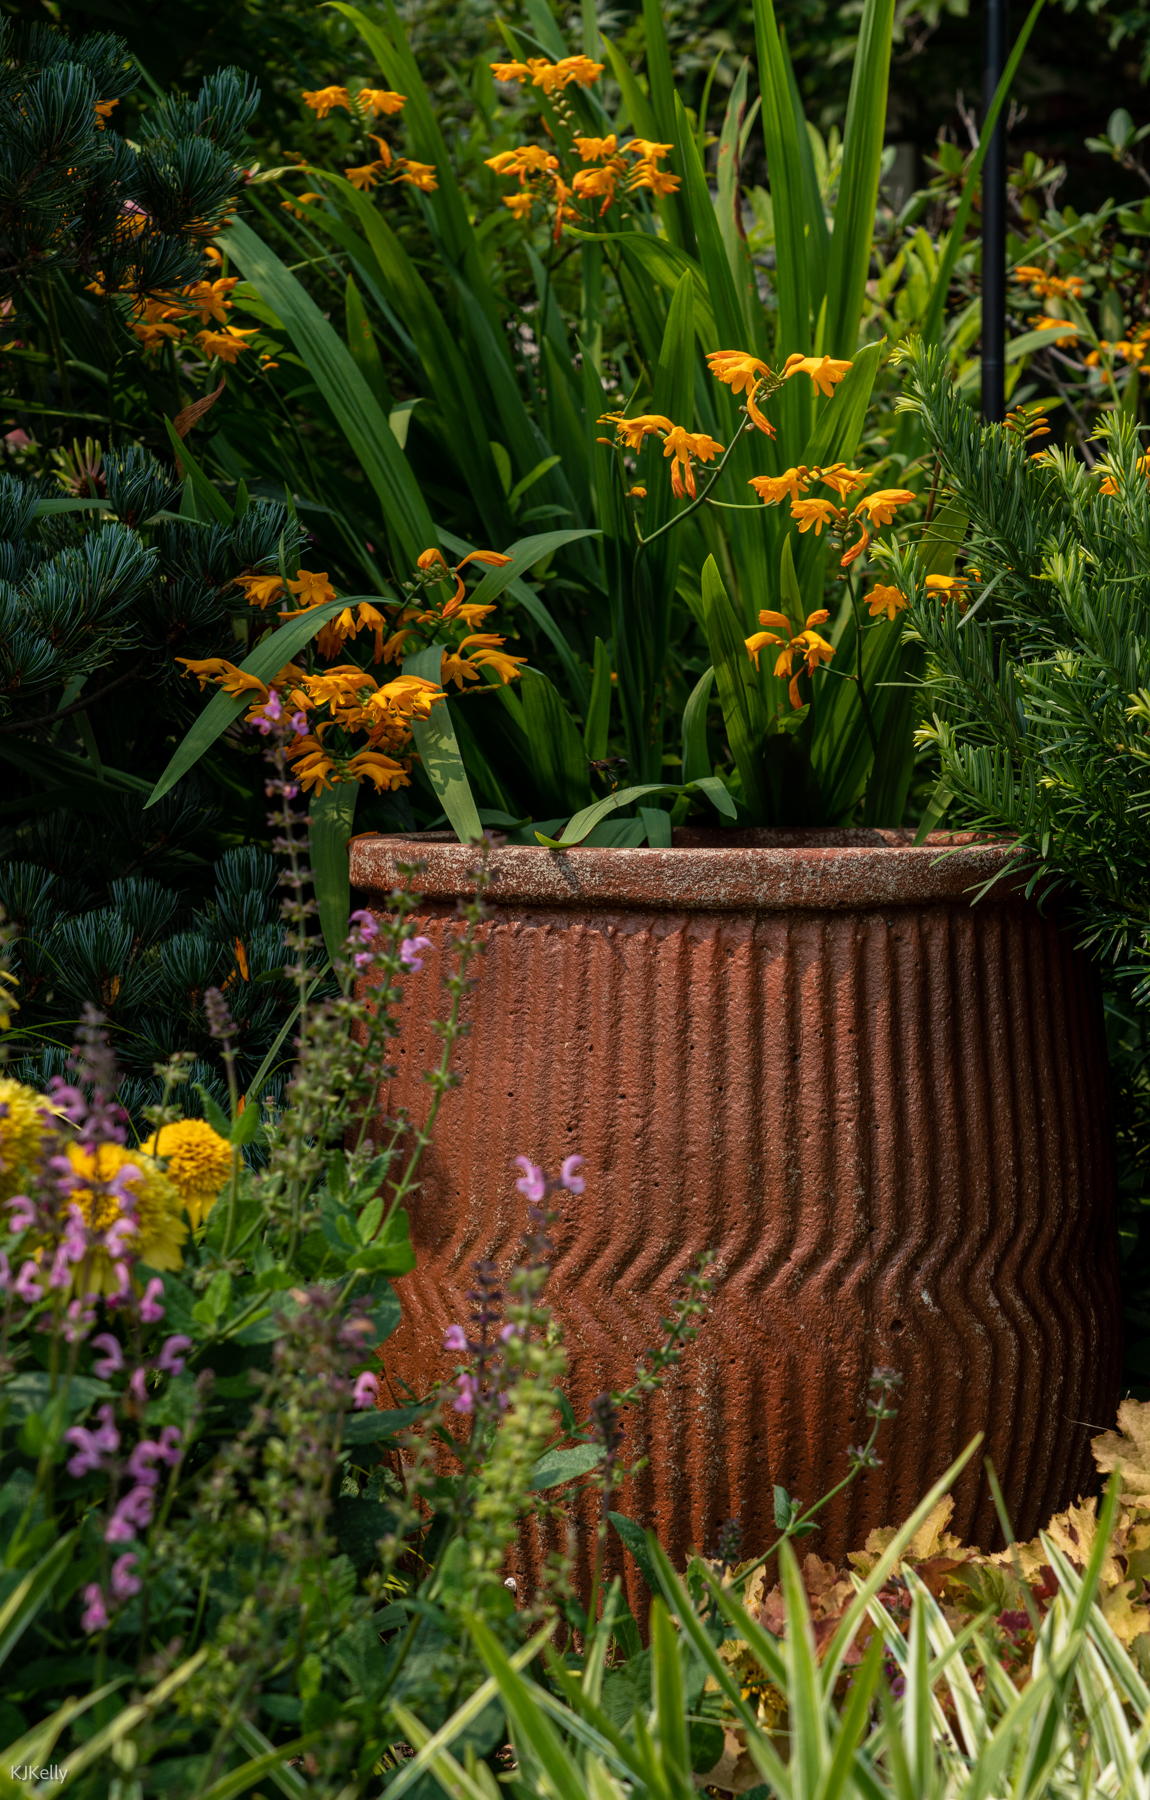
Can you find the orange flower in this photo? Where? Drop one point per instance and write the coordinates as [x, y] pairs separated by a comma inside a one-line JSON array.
[[418, 174], [886, 600], [881, 506], [813, 512], [486, 654], [683, 445], [806, 643], [383, 771], [225, 674], [322, 100], [509, 71], [823, 371], [596, 149], [632, 431], [260, 590], [210, 298], [773, 488], [365, 176], [659, 181], [381, 100], [104, 112], [384, 149], [528, 159], [311, 590], [647, 150], [225, 344], [742, 373], [843, 480], [519, 205], [589, 184]]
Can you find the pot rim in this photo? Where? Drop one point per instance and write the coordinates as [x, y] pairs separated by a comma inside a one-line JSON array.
[[817, 870]]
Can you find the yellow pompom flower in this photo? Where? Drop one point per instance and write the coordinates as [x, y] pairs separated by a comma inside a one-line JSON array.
[[24, 1117], [198, 1161], [157, 1208]]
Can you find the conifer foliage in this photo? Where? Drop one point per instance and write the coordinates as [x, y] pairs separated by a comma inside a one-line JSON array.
[[75, 194]]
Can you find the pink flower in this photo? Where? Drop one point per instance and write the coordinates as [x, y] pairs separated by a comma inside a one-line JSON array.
[[572, 1181], [171, 1360], [532, 1183], [116, 1235], [368, 924], [75, 1240], [87, 1455], [409, 952], [299, 724], [365, 1392], [107, 1437], [123, 1294], [455, 1338], [81, 1318], [136, 1385], [124, 1582], [95, 1612], [23, 1213], [507, 1333], [467, 1395], [140, 1463], [112, 1360], [26, 1285], [150, 1308], [133, 1514], [171, 1445], [269, 715]]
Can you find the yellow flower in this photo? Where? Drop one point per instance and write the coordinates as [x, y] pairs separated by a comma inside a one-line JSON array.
[[25, 1115], [886, 600], [486, 654], [632, 431], [637, 493], [198, 1161], [226, 674], [773, 488], [590, 184], [510, 71], [824, 371], [805, 643], [519, 205], [322, 100], [683, 445], [528, 159], [383, 147], [157, 1208], [260, 590], [647, 150], [813, 512], [210, 298], [104, 112], [381, 100], [843, 480], [596, 149], [153, 336], [386, 774]]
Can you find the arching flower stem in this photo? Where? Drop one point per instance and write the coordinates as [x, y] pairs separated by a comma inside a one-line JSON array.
[[701, 497]]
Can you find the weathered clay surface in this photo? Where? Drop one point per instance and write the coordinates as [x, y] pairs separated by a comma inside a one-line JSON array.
[[886, 1109]]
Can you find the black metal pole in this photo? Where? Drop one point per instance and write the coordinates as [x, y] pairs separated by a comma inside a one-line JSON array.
[[994, 220]]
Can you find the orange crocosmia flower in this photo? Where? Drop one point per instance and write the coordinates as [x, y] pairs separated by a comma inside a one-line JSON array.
[[742, 372], [225, 674], [881, 506], [365, 176], [383, 771], [528, 159], [647, 150], [773, 488], [886, 600], [843, 480], [381, 100], [152, 336], [683, 445], [311, 590], [323, 100], [659, 181], [104, 112], [760, 639], [632, 431], [596, 149], [487, 653], [210, 298], [384, 149], [824, 371], [494, 559], [591, 184], [260, 590], [813, 512], [519, 205], [418, 175], [226, 344], [509, 71]]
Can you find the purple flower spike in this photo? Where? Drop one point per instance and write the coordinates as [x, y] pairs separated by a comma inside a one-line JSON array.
[[366, 1391], [171, 1360], [95, 1612], [409, 952], [124, 1582], [569, 1175], [455, 1338], [150, 1309], [532, 1183], [113, 1358]]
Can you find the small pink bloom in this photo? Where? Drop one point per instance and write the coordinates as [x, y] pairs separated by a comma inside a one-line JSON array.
[[409, 952], [87, 1455], [455, 1338], [116, 1238], [75, 1240], [112, 1360], [507, 1333], [134, 1513], [106, 1437], [23, 1213], [532, 1183], [299, 724], [171, 1359], [95, 1612], [569, 1175], [365, 1392], [26, 1285], [368, 924], [125, 1582], [465, 1398], [123, 1295], [136, 1385], [150, 1308], [171, 1445], [140, 1463]]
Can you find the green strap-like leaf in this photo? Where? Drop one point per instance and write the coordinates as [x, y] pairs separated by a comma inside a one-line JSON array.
[[266, 660], [850, 249], [30, 1593], [695, 760], [203, 485], [584, 822], [359, 415], [598, 722], [439, 751], [333, 818]]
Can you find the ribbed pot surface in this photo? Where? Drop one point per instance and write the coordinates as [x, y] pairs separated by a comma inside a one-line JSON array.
[[887, 1109]]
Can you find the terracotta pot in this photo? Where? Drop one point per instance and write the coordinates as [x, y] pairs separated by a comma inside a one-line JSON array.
[[886, 1108]]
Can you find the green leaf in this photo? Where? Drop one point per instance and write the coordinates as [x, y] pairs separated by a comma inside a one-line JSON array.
[[863, 136], [333, 819], [557, 1466], [370, 1427], [358, 414], [390, 1253], [204, 487], [524, 554], [939, 801], [657, 825], [739, 696], [238, 1781], [583, 822], [836, 436], [785, 164], [634, 1539], [245, 1128], [364, 349], [598, 725], [439, 752], [30, 1593], [289, 1781], [270, 656], [559, 761]]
